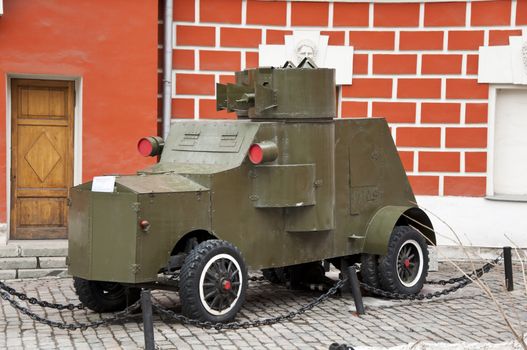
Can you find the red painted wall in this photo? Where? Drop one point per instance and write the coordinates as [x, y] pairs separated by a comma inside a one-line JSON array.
[[113, 47], [415, 64]]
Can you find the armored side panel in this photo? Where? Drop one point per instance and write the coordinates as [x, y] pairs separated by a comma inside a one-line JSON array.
[[106, 242], [102, 235], [79, 231], [369, 176], [172, 214], [280, 213], [312, 143], [283, 186]]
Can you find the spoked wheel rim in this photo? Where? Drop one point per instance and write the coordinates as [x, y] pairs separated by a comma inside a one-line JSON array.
[[409, 263], [220, 284]]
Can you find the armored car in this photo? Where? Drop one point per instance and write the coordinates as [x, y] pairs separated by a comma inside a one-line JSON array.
[[280, 189]]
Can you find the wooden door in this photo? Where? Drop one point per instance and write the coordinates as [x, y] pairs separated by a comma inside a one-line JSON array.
[[41, 157]]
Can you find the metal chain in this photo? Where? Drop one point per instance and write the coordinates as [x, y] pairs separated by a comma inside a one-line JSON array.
[[6, 291], [337, 346], [487, 267], [43, 303], [462, 282], [256, 278], [250, 323], [392, 295], [175, 277], [71, 326]]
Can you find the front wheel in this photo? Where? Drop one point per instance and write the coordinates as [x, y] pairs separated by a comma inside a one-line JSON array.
[[104, 296], [405, 266], [213, 282]]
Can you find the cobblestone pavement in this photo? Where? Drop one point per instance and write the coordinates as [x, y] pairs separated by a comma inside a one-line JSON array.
[[465, 316]]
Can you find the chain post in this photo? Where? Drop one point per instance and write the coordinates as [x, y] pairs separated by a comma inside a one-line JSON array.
[[337, 346], [148, 323], [344, 269], [507, 262], [354, 285]]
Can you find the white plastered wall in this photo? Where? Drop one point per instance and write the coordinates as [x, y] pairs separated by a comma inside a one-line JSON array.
[[507, 142], [477, 222], [77, 137], [482, 222]]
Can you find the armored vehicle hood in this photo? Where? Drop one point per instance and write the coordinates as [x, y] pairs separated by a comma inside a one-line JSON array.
[[197, 147], [165, 183]]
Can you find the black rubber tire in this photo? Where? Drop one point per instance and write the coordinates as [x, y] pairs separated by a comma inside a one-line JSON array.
[[368, 269], [105, 296], [191, 271], [271, 276], [388, 264], [282, 274], [301, 275]]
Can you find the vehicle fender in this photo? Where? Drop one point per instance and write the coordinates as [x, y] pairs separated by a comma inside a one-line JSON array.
[[385, 219]]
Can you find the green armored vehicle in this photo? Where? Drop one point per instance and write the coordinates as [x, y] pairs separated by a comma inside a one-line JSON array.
[[282, 189]]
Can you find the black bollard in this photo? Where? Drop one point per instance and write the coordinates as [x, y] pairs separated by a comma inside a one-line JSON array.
[[507, 262], [337, 346], [148, 322], [344, 271], [355, 290]]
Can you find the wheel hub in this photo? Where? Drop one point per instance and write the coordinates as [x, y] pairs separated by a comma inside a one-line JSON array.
[[407, 263], [226, 285]]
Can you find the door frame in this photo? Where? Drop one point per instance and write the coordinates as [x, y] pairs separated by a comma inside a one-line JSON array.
[[491, 126], [77, 132]]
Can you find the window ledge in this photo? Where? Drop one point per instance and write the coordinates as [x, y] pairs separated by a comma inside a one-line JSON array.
[[508, 197]]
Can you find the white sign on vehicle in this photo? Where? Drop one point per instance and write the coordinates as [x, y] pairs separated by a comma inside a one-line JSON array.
[[103, 184]]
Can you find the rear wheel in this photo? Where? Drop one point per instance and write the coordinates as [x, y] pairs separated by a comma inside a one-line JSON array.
[[271, 275], [368, 269], [213, 282], [405, 266], [104, 296]]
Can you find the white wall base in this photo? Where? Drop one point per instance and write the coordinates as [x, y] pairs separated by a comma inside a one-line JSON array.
[[477, 222], [3, 234]]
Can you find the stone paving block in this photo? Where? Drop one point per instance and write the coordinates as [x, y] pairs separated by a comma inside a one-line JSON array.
[[10, 250], [460, 317], [18, 263], [43, 251], [7, 274], [36, 273], [50, 262]]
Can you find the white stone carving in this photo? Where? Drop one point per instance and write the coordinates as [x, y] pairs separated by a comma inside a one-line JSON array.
[[309, 43]]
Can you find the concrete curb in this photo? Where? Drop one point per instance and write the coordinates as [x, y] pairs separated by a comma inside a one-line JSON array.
[[510, 345]]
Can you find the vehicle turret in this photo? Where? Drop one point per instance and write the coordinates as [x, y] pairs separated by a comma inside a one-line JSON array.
[[287, 93]]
